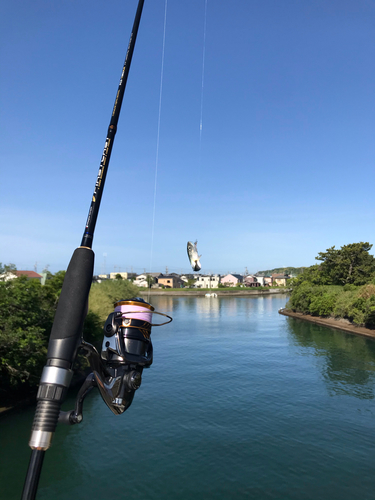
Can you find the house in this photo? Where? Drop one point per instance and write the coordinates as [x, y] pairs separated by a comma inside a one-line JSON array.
[[170, 281], [208, 281], [186, 277], [264, 279], [124, 276], [143, 279], [260, 279], [231, 280], [11, 275], [252, 281], [103, 276], [280, 279]]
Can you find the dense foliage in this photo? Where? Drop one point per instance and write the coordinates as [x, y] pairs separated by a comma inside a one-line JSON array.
[[27, 310], [351, 264], [343, 286]]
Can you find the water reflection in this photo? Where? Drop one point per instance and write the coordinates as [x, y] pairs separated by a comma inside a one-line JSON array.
[[208, 306], [217, 306], [164, 304], [347, 362]]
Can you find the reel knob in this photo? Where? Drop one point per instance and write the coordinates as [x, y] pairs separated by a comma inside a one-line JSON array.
[[134, 380]]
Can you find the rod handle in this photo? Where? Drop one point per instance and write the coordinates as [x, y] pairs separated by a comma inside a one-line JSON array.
[[72, 308]]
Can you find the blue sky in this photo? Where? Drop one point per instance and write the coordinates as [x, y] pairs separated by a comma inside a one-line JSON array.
[[285, 165]]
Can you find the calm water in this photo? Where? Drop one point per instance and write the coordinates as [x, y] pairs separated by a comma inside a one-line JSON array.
[[240, 403]]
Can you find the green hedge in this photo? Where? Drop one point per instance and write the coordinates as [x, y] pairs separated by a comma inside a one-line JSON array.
[[27, 310], [355, 303]]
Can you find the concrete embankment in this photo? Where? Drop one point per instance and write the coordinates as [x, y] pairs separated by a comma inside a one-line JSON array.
[[339, 324], [219, 292]]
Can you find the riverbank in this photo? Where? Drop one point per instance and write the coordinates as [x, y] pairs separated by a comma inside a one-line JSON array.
[[339, 324], [220, 292]]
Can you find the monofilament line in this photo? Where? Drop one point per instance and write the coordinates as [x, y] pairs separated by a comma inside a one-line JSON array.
[[203, 61], [158, 134]]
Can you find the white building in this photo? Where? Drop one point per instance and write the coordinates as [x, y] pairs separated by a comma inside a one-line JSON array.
[[260, 279], [207, 281], [124, 276], [141, 279]]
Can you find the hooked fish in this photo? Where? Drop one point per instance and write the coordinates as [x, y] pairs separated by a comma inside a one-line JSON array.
[[193, 256]]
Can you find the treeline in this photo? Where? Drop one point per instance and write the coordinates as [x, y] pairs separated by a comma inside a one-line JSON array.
[[290, 271], [27, 310], [342, 286]]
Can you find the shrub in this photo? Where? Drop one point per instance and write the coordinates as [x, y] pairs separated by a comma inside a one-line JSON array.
[[27, 310], [344, 303], [367, 291], [323, 305], [104, 295]]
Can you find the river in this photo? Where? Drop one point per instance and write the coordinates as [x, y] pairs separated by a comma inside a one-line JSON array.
[[240, 403]]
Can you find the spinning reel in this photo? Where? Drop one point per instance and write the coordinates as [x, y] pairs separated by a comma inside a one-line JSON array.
[[126, 351]]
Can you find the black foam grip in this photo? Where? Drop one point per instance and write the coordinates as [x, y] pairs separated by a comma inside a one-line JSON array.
[[71, 309]]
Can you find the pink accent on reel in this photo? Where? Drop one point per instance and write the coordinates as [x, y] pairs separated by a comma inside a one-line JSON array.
[[131, 311]]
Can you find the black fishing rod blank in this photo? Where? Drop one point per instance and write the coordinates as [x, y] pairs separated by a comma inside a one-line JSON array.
[[72, 307]]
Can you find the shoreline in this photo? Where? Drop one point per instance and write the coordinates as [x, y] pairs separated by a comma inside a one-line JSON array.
[[339, 324], [219, 292]]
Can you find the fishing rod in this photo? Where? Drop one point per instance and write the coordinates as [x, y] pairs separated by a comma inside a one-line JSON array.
[[127, 347]]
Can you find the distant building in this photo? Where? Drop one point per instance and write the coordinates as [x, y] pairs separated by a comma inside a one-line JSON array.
[[124, 276], [170, 281], [187, 277], [141, 279], [231, 279], [260, 279], [264, 279], [208, 281], [8, 276], [252, 281], [280, 279], [11, 275]]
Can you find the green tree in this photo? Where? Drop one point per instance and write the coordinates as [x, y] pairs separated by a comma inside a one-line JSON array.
[[26, 315], [311, 275], [27, 310], [190, 282], [118, 276], [7, 268], [150, 280], [351, 264]]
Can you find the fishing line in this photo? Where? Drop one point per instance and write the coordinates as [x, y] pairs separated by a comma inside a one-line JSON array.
[[158, 141], [202, 88]]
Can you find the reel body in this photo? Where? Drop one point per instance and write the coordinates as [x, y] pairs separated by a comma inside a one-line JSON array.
[[126, 351]]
